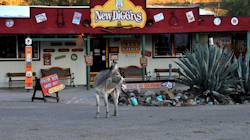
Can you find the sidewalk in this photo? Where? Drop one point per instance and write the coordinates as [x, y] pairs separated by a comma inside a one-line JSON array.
[[78, 95]]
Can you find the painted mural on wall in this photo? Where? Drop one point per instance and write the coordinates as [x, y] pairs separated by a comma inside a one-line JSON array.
[[118, 13]]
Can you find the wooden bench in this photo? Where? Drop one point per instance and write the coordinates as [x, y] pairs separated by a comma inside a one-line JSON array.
[[17, 76], [131, 72], [159, 73], [63, 74]]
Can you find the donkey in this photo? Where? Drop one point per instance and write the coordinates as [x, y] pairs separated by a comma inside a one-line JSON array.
[[108, 82]]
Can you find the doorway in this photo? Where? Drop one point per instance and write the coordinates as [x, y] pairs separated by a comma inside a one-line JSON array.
[[98, 50]]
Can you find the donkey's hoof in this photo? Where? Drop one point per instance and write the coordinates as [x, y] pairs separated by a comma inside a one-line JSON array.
[[107, 115], [97, 115]]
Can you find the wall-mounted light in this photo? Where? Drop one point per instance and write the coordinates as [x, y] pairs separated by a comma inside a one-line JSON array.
[[149, 22]]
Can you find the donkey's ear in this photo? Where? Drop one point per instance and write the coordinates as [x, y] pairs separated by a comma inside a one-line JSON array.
[[114, 62]]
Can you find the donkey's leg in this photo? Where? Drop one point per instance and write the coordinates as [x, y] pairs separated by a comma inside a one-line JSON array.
[[106, 104], [115, 95], [97, 104]]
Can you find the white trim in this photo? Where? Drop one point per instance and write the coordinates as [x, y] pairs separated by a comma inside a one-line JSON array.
[[14, 11]]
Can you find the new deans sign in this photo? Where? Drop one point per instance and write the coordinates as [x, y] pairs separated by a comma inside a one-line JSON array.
[[118, 13]]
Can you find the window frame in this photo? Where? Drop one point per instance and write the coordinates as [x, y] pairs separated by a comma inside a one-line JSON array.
[[172, 38], [17, 58]]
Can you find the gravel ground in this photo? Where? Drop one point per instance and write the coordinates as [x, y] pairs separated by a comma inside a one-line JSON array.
[[74, 119]]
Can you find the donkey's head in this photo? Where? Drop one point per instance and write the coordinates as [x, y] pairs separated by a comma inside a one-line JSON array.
[[117, 77]]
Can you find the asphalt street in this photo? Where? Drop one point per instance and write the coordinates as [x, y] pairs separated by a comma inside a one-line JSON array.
[[73, 118]]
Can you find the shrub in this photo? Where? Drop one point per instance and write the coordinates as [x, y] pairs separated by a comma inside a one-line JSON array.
[[210, 70], [243, 74]]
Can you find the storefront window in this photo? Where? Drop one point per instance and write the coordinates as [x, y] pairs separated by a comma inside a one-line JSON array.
[[8, 47], [170, 45], [235, 42], [13, 48], [182, 44], [239, 41]]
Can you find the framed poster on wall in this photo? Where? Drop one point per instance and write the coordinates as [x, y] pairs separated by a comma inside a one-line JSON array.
[[130, 46], [46, 59]]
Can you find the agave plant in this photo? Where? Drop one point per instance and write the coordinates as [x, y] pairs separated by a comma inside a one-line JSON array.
[[209, 69], [243, 72]]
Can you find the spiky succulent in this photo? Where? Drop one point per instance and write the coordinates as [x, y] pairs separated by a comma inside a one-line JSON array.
[[209, 69], [243, 73]]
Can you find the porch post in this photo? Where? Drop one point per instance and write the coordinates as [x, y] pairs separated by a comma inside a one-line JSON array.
[[143, 54], [87, 39], [248, 46]]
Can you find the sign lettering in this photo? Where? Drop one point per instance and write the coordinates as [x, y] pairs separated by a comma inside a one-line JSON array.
[[118, 13], [50, 84]]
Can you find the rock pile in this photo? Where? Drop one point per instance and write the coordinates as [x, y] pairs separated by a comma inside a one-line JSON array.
[[158, 98]]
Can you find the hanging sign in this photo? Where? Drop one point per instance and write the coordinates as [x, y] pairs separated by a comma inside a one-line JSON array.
[[118, 13], [143, 62], [89, 60], [190, 16], [77, 18], [148, 53], [28, 70], [51, 84]]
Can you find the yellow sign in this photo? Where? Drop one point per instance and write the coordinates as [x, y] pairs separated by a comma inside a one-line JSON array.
[[118, 13], [56, 88]]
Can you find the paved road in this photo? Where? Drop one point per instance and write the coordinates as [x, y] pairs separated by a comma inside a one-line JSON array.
[[73, 119]]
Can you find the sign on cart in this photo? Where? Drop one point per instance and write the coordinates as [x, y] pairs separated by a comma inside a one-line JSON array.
[[51, 84]]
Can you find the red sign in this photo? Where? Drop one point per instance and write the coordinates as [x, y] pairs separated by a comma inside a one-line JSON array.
[[51, 84], [28, 69], [153, 85], [89, 60]]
